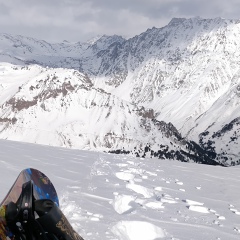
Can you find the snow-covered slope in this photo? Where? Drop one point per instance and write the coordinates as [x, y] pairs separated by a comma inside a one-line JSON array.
[[220, 126], [184, 71], [107, 196], [187, 72], [61, 107], [27, 50], [179, 70]]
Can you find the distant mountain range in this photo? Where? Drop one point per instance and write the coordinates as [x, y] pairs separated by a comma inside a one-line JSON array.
[[170, 93]]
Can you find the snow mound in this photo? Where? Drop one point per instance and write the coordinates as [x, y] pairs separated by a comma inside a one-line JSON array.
[[124, 176], [198, 209], [136, 230], [124, 204], [140, 190]]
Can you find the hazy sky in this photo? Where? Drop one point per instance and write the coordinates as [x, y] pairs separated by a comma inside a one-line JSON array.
[[79, 20]]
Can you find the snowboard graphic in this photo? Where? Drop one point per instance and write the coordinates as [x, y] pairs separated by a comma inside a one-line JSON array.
[[42, 189]]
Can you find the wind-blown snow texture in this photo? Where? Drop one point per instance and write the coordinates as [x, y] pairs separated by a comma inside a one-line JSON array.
[[115, 197], [186, 72]]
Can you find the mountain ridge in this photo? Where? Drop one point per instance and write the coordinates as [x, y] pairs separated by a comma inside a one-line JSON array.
[[184, 71], [62, 107]]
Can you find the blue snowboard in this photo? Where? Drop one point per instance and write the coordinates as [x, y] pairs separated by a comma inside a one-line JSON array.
[[42, 189]]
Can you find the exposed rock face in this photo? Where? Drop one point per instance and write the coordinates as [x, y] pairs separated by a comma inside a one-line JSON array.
[[224, 142]]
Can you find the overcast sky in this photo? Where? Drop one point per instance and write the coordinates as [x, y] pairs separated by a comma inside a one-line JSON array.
[[79, 20]]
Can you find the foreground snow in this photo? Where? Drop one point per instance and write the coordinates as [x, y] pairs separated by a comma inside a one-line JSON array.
[[117, 197]]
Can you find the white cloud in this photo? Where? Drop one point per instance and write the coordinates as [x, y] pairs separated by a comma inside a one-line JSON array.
[[77, 20]]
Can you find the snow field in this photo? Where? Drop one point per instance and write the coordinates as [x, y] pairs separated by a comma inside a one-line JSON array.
[[116, 197]]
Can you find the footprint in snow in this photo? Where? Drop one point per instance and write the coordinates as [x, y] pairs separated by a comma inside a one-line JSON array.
[[216, 222], [236, 229], [191, 202], [179, 183], [196, 206], [212, 211], [94, 216], [155, 205], [200, 209], [221, 218], [234, 210], [158, 189], [167, 199]]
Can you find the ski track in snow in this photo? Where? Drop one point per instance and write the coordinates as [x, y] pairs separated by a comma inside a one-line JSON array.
[[124, 198]]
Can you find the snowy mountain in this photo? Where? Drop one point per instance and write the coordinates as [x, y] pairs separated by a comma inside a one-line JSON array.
[[27, 50], [186, 72], [61, 107], [108, 196]]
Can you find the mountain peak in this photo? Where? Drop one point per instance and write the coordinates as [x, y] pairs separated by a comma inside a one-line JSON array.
[[176, 21]]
